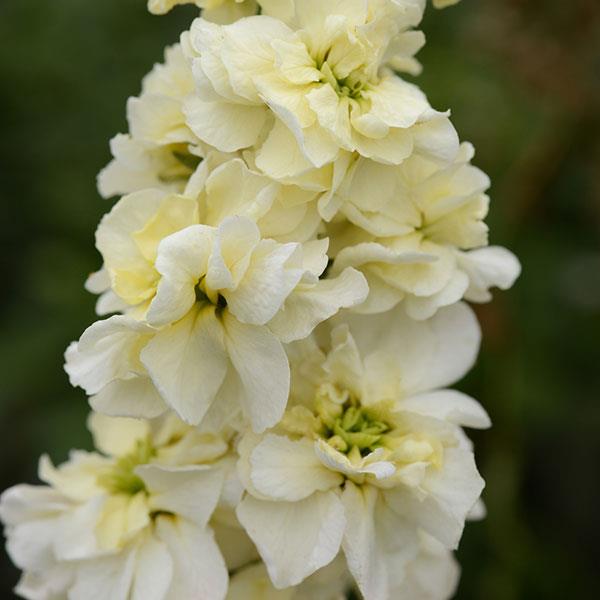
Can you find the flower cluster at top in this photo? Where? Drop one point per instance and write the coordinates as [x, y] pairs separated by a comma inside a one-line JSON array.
[[283, 309]]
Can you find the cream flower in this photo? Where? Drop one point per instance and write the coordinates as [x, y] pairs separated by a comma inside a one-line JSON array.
[[228, 11], [369, 453], [253, 583], [432, 575], [161, 7], [444, 3], [414, 233], [129, 235], [221, 302], [160, 150], [313, 90], [129, 523]]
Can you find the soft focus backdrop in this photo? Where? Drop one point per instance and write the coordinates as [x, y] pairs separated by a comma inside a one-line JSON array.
[[523, 80]]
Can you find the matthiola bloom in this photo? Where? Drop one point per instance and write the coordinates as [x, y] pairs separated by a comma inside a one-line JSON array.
[[160, 7], [227, 11], [160, 151], [301, 94], [129, 235], [369, 453], [131, 522], [296, 229], [444, 3], [253, 583], [418, 236], [431, 575], [218, 303]]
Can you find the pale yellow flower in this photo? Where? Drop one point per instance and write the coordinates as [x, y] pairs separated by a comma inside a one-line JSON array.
[[132, 519], [369, 453], [419, 235], [299, 95]]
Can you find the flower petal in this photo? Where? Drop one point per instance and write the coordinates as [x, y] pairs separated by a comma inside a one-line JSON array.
[[262, 365], [225, 125], [153, 571], [266, 284], [365, 557], [489, 267], [102, 578], [107, 350], [294, 538], [283, 469], [187, 362], [310, 305], [114, 436], [199, 569], [451, 494], [458, 338], [135, 397], [190, 492], [449, 405], [182, 260]]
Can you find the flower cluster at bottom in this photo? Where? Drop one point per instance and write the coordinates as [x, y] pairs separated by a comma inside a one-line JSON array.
[[366, 481], [133, 520]]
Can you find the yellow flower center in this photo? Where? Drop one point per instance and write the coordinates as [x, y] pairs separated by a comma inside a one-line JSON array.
[[182, 164], [120, 478]]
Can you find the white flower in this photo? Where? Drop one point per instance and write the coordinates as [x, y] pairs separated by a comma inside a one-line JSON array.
[[444, 3], [432, 575], [286, 213], [220, 302], [315, 89], [129, 235], [369, 453], [160, 150], [253, 583], [414, 233], [129, 523], [228, 11], [161, 7]]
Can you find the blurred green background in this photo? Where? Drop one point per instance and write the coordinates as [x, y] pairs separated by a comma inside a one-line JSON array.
[[522, 79]]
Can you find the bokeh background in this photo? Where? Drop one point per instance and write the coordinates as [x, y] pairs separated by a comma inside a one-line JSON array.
[[523, 80]]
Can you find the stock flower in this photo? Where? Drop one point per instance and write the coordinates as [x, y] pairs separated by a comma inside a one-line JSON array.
[[160, 7], [277, 170], [131, 522], [444, 3], [129, 235], [220, 302], [286, 213], [418, 235], [369, 452], [431, 575], [228, 11], [253, 583], [160, 151], [312, 90]]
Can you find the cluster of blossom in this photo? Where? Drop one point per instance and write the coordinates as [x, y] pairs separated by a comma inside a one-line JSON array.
[[286, 269]]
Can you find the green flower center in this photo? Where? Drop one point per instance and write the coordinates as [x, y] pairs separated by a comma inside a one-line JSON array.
[[120, 478], [351, 86], [349, 425], [182, 164]]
